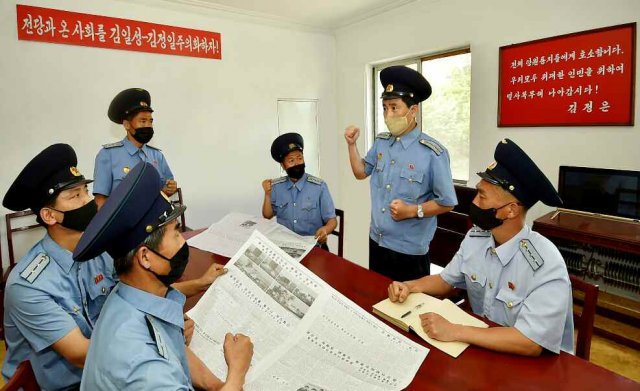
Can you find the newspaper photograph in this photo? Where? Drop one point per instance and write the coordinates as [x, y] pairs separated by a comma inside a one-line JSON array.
[[306, 335], [227, 236]]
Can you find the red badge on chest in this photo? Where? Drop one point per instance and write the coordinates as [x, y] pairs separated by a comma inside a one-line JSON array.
[[98, 278]]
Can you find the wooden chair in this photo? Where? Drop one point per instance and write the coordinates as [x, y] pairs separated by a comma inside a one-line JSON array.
[[340, 232], [452, 228], [22, 379], [584, 321], [180, 201], [11, 229]]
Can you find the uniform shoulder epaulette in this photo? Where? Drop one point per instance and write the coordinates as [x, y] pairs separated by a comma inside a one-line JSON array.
[[314, 179], [152, 147], [157, 337], [278, 180], [35, 268], [434, 146], [113, 145], [479, 233], [384, 135], [531, 254]]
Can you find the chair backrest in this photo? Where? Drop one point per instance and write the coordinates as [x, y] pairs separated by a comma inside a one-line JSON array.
[[11, 229], [22, 379], [340, 231], [584, 321], [180, 201]]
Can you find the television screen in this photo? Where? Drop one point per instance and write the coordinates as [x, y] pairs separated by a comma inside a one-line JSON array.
[[599, 190]]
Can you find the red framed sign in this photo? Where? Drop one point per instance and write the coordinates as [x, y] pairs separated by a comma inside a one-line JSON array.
[[580, 79], [73, 28]]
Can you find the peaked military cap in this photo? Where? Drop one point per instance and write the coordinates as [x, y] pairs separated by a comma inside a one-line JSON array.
[[134, 210], [400, 81], [284, 144], [127, 102], [43, 178], [514, 171]]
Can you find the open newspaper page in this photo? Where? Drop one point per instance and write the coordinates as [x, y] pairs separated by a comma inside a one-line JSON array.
[[306, 335], [227, 236]]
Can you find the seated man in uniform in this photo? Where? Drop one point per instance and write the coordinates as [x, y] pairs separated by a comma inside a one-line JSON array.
[[513, 275], [139, 340], [300, 201], [51, 302], [132, 109]]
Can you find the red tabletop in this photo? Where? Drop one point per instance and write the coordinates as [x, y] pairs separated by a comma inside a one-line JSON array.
[[474, 369]]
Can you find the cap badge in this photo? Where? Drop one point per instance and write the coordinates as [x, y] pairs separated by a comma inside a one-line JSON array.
[[74, 171], [144, 104], [389, 88], [292, 145], [492, 165]]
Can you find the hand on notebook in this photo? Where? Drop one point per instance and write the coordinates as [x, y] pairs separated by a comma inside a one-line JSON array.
[[398, 291], [438, 327]]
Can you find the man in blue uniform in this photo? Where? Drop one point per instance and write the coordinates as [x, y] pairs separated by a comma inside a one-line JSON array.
[[51, 302], [138, 343], [300, 201], [132, 109], [410, 179], [513, 275]]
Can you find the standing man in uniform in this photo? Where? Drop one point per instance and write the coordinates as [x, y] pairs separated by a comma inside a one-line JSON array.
[[139, 339], [513, 275], [300, 201], [410, 179], [52, 303], [132, 109]]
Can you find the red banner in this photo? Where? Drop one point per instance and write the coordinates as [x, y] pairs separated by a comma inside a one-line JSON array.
[[585, 78], [73, 28]]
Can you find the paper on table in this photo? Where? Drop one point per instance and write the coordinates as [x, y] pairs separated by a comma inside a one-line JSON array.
[[306, 335], [227, 236]]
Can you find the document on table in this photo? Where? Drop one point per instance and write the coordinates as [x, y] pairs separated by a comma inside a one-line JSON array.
[[306, 335], [227, 236]]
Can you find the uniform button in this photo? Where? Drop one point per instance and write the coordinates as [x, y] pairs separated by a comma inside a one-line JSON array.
[[410, 180], [393, 162], [388, 187], [397, 138], [491, 285], [493, 251], [294, 204], [382, 210], [473, 277], [295, 221], [510, 304], [104, 290]]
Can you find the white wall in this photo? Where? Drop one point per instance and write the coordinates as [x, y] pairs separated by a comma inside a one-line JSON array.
[[215, 120], [429, 26]]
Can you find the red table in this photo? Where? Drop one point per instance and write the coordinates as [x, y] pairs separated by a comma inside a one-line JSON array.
[[474, 369]]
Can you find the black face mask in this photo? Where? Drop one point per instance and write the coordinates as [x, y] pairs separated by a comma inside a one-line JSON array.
[[296, 172], [178, 263], [78, 219], [143, 135], [485, 218]]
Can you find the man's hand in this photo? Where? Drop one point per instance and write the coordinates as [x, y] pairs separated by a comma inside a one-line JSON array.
[[189, 326], [266, 186], [438, 327], [170, 187], [401, 211], [398, 291], [351, 134], [214, 271], [238, 351], [321, 235]]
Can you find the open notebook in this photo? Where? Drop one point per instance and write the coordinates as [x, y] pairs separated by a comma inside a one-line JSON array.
[[420, 303]]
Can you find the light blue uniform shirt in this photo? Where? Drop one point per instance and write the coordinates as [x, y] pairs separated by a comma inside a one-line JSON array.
[[415, 169], [303, 206], [114, 161], [48, 295], [138, 343], [521, 283]]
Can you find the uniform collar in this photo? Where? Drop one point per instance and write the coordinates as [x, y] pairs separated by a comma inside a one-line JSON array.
[[408, 138], [507, 250], [168, 309], [299, 184], [63, 257], [132, 149]]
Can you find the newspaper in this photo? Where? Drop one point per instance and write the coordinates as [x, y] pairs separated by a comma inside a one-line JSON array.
[[306, 335], [227, 236]]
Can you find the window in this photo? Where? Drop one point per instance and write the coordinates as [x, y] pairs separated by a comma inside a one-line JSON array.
[[445, 116]]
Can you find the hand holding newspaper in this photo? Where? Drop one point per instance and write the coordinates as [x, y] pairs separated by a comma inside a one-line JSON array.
[[306, 335]]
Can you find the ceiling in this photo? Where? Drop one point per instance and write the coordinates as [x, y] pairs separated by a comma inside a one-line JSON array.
[[322, 14]]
